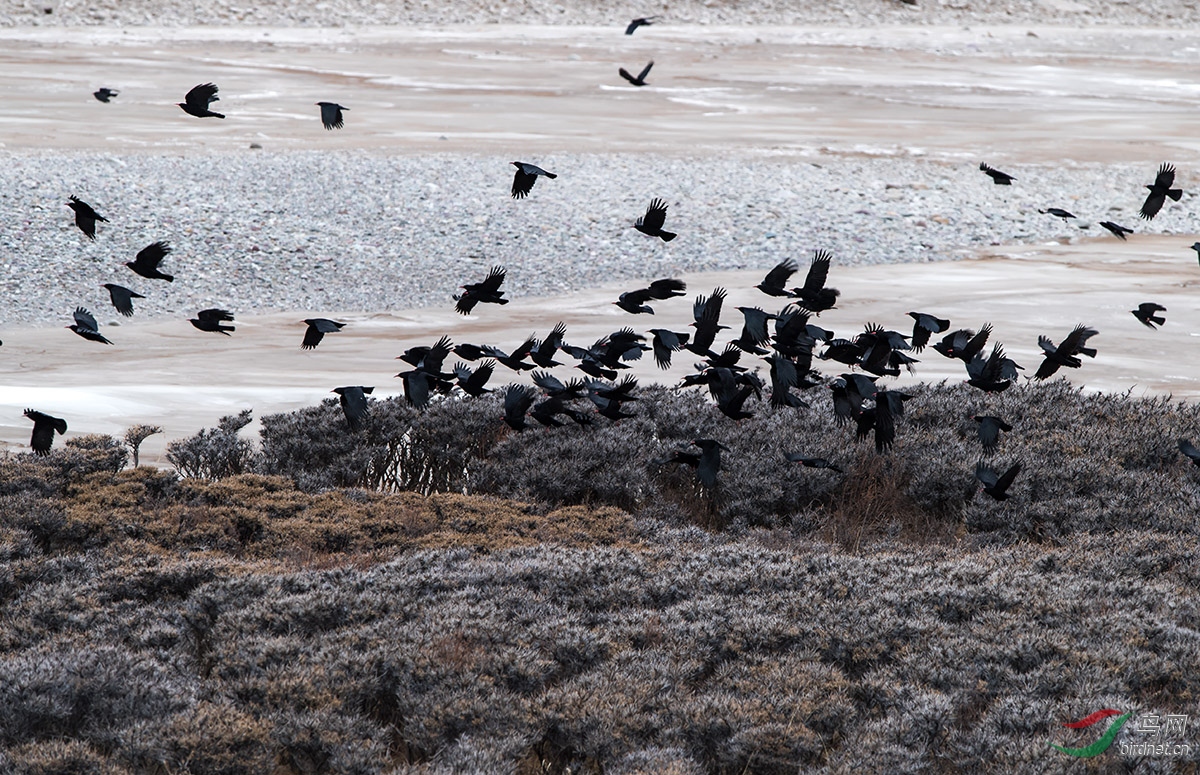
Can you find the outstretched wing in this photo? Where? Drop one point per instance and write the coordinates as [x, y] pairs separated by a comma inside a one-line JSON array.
[[780, 274], [818, 272], [84, 319], [522, 183], [215, 315], [645, 71], [655, 217], [202, 96], [495, 277], [151, 255], [1075, 340], [1007, 478]]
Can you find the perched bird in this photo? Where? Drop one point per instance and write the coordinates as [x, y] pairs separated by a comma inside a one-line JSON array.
[[1057, 212], [923, 327], [85, 216], [652, 222], [122, 298], [996, 486], [640, 80], [989, 431], [811, 462], [1064, 354], [317, 329], [1185, 447], [998, 177], [634, 302], [44, 427], [517, 400], [85, 325], [664, 343], [1160, 189], [147, 261], [198, 99], [1145, 313], [331, 115], [354, 404], [773, 283], [1117, 229], [487, 291], [525, 177], [642, 22], [211, 320], [813, 295], [104, 94]]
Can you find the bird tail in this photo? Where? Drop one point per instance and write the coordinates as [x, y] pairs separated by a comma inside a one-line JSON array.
[[1175, 193], [551, 175], [169, 278], [214, 114], [1157, 319], [667, 236], [226, 329], [1088, 351]]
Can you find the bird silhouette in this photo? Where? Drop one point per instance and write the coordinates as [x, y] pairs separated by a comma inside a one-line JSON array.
[[524, 178], [1064, 354], [925, 326], [773, 283], [211, 320], [1160, 189], [147, 261], [989, 431], [487, 291], [1145, 313], [331, 115], [85, 217], [1117, 229], [1189, 451], [353, 399], [993, 485], [1057, 212], [640, 79], [317, 329], [104, 94], [634, 302], [198, 99], [994, 374], [517, 401], [471, 381], [998, 177], [85, 325], [644, 21], [707, 462], [811, 462], [652, 222], [122, 298], [664, 343], [813, 295], [44, 427]]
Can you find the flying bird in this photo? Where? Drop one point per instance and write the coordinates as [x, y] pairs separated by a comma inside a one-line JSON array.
[[85, 325], [211, 320], [198, 99], [923, 327], [964, 343], [1160, 189], [517, 401], [666, 342], [813, 295], [634, 302], [104, 94], [85, 216], [640, 80], [487, 291], [707, 463], [1057, 212], [652, 222], [994, 374], [1145, 313], [998, 177], [989, 431], [122, 298], [331, 115], [1064, 354], [525, 177], [993, 485], [645, 21], [1117, 229], [1196, 247], [773, 283], [147, 261], [1185, 447], [472, 382], [317, 329], [44, 427], [811, 462], [353, 399]]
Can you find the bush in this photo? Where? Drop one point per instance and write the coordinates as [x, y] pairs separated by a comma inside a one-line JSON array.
[[214, 453]]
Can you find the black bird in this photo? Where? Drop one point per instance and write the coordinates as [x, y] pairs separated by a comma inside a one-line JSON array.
[[989, 431], [517, 400], [642, 22], [1117, 229], [811, 462], [1057, 212], [664, 343], [472, 382], [147, 261], [964, 343], [85, 216], [813, 295], [996, 486], [543, 353], [516, 359], [317, 329], [925, 326], [640, 80], [488, 291], [44, 427], [122, 298], [773, 283], [418, 387], [331, 115], [998, 177], [635, 301], [1196, 247], [994, 374], [1145, 313], [652, 222], [754, 330], [1160, 189], [104, 94], [353, 399], [1185, 447], [525, 177], [707, 313], [1064, 354], [86, 326], [211, 320], [707, 463], [198, 99]]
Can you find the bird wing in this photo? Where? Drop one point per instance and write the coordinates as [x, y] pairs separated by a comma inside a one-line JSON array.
[[312, 337], [818, 272], [84, 319], [625, 74], [492, 282], [482, 374], [150, 256], [667, 289], [655, 217], [645, 71], [1165, 176], [523, 183], [122, 298], [331, 115], [780, 274], [326, 326], [1154, 202], [1007, 478], [985, 474], [1185, 447], [202, 96], [1076, 339], [1149, 308], [517, 400], [215, 315], [436, 355]]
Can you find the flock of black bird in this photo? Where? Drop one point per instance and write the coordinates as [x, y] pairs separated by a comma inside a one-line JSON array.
[[786, 341]]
